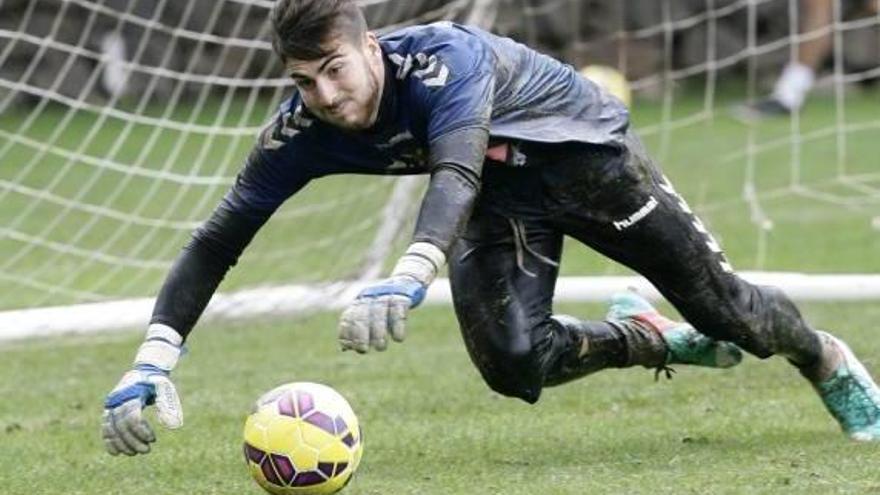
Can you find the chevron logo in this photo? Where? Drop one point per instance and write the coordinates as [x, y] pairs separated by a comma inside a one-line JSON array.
[[438, 79], [430, 69], [274, 136], [697, 224], [299, 120]]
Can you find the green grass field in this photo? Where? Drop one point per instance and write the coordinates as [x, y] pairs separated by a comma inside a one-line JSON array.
[[431, 426]]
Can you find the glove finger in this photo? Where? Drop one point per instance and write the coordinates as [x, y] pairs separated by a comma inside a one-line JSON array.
[[131, 423], [112, 442], [120, 419], [168, 407], [135, 423], [379, 323], [113, 439], [354, 328], [397, 313]]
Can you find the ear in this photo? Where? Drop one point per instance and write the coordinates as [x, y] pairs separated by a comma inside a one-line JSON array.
[[371, 42]]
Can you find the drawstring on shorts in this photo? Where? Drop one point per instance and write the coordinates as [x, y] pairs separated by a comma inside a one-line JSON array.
[[521, 243]]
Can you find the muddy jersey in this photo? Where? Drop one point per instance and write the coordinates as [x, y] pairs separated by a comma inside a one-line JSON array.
[[439, 78]]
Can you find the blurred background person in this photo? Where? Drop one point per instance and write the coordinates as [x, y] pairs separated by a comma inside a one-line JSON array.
[[799, 76]]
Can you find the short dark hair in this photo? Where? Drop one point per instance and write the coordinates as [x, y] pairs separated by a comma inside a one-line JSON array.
[[301, 28]]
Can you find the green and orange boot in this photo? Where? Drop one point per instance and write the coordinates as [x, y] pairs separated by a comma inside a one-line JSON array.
[[684, 344]]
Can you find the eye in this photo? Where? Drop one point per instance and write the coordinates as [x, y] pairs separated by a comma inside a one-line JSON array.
[[335, 70], [304, 83]]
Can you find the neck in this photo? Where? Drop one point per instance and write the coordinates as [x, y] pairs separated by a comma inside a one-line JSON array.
[[379, 76]]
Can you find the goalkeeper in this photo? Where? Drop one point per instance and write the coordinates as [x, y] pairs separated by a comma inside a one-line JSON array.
[[521, 151]]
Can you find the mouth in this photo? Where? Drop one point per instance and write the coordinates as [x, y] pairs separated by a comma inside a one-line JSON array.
[[337, 108]]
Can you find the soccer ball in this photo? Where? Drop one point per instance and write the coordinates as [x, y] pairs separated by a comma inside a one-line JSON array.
[[302, 438], [611, 80]]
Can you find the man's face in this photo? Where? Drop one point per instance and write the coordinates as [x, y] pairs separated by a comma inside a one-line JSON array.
[[344, 87]]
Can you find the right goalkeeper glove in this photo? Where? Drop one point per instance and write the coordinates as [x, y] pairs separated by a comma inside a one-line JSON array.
[[123, 427]]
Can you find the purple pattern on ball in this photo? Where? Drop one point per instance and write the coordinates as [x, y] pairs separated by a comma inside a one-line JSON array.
[[284, 467], [308, 479], [322, 421], [285, 406], [348, 440], [269, 473], [305, 402], [340, 468], [340, 425], [326, 468], [252, 453]]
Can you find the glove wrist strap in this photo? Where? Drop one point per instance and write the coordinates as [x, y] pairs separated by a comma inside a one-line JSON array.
[[421, 261], [161, 348]]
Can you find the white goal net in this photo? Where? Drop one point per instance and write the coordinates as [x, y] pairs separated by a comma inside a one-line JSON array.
[[122, 123]]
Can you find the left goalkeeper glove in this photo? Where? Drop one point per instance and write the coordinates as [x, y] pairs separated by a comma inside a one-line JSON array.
[[124, 429], [382, 309]]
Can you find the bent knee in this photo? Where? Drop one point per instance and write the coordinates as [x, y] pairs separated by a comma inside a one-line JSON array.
[[516, 389], [513, 374]]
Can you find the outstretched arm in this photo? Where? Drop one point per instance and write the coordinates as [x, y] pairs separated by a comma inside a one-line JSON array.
[[216, 246]]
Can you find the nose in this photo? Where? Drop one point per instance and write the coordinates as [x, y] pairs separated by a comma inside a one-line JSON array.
[[326, 92]]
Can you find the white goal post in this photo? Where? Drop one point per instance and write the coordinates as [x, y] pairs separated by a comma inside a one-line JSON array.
[[125, 315]]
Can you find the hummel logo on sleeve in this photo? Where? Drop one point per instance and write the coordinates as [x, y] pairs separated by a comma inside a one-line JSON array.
[[430, 69], [273, 137]]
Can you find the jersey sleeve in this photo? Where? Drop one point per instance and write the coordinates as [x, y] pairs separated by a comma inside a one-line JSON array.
[[458, 87], [277, 167], [275, 170], [270, 176], [459, 96]]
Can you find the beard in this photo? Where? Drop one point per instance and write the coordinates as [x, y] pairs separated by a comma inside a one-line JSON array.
[[375, 100], [367, 110]]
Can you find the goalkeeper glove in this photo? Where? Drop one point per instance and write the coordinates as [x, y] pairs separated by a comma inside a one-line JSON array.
[[381, 309], [123, 427]]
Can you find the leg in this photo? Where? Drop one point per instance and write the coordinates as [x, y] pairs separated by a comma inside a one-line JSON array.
[[634, 216], [799, 74], [502, 288], [503, 273], [818, 16]]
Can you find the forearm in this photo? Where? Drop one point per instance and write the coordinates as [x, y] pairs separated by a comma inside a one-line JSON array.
[[446, 208], [453, 189], [188, 288], [202, 265]]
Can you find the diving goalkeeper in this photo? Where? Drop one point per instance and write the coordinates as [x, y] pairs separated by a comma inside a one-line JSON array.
[[521, 151]]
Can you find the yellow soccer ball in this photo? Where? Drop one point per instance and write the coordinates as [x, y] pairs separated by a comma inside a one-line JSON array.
[[610, 79], [304, 439]]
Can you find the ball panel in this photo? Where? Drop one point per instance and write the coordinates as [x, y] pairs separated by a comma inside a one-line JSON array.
[[305, 402], [284, 468], [269, 472], [308, 479], [253, 454], [285, 405]]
